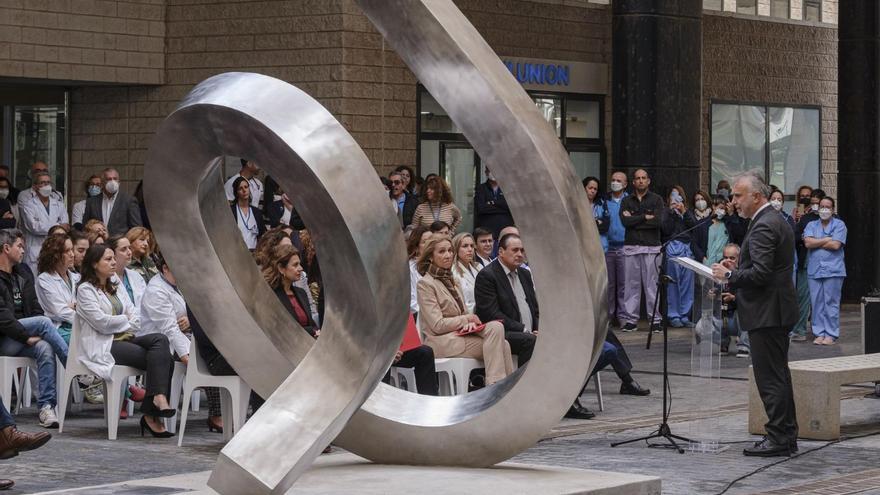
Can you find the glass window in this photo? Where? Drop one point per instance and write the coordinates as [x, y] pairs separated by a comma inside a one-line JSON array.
[[738, 139], [747, 7], [586, 163], [794, 147], [582, 119], [780, 8], [813, 10], [552, 110], [39, 135], [782, 142], [460, 165], [713, 5], [433, 117]]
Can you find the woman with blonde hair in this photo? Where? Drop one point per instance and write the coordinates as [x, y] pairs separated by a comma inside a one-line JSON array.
[[464, 268], [436, 206], [444, 318], [141, 253]]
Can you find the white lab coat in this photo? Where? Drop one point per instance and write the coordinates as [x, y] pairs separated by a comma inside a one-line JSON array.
[[161, 306], [138, 287], [97, 324], [55, 296], [35, 223]]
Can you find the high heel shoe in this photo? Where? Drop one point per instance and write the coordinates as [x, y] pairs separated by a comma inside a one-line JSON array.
[[212, 426], [165, 413], [157, 434]]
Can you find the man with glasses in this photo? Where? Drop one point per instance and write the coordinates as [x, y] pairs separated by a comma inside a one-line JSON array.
[[406, 203], [38, 167], [38, 212]]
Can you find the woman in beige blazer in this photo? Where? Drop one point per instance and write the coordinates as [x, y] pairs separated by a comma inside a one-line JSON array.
[[442, 313]]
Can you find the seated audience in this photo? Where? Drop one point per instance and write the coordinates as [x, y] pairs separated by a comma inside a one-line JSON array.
[[24, 331], [141, 253], [57, 282], [283, 270], [130, 281], [248, 218], [443, 315], [464, 269], [418, 239], [163, 310], [440, 228], [80, 245], [107, 325], [484, 245]]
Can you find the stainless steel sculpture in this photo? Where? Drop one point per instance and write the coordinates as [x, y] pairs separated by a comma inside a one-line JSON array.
[[316, 388]]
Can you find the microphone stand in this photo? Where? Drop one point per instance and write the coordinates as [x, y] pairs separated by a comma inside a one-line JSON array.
[[663, 280]]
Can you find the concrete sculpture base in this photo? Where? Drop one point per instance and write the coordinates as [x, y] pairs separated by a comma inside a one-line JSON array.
[[346, 474]]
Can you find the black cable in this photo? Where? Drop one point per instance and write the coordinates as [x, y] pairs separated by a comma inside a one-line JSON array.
[[768, 466]]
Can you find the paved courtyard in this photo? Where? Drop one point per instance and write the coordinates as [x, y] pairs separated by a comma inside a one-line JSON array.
[[711, 410]]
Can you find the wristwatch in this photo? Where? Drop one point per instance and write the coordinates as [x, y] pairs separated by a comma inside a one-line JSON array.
[[727, 275]]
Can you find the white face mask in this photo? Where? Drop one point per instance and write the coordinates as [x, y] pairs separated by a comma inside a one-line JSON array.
[[814, 207], [616, 186], [45, 191], [112, 186], [719, 212], [701, 204], [4, 193], [776, 204], [825, 213]]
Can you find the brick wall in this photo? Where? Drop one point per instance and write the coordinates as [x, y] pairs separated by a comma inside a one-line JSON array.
[[755, 61], [103, 41]]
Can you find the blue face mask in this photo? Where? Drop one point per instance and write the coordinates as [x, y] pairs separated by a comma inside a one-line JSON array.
[[94, 190]]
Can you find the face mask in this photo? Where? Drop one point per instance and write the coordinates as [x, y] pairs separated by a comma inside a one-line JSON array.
[[4, 193], [491, 177], [804, 201], [719, 212], [776, 204], [45, 191], [112, 186], [701, 204], [616, 186], [724, 192], [94, 190], [825, 213], [676, 197], [814, 207]]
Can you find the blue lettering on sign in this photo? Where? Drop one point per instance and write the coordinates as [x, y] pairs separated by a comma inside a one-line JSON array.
[[545, 74]]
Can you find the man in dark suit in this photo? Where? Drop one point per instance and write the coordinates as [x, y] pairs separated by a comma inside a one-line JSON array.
[[767, 306], [490, 207], [406, 203], [117, 209]]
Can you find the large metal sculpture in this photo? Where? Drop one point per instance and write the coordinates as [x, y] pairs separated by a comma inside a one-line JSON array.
[[326, 389]]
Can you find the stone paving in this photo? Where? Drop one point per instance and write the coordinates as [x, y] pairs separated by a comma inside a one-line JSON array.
[[702, 409]]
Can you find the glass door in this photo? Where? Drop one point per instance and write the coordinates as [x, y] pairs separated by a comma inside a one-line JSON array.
[[39, 134], [460, 167]]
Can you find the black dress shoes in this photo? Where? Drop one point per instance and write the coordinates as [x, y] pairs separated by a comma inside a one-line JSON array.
[[577, 411], [633, 388], [767, 448], [6, 484]]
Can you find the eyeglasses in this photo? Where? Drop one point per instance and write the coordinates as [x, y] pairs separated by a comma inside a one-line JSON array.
[[731, 258], [396, 182]]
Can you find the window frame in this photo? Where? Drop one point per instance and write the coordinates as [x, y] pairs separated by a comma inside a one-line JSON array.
[[766, 106]]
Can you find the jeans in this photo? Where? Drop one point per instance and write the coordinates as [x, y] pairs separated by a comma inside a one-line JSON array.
[[5, 417], [43, 354], [42, 327], [729, 326]]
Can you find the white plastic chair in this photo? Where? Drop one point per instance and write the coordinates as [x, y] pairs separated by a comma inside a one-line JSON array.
[[31, 378], [234, 394], [597, 380], [455, 374], [408, 375], [117, 384], [9, 367]]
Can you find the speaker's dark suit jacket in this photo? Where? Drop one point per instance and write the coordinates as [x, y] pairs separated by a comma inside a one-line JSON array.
[[765, 293], [126, 213], [495, 299]]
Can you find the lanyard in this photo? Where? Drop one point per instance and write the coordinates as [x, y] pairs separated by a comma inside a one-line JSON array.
[[246, 219], [437, 213]]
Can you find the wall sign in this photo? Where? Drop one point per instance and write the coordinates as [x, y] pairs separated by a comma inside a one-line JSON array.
[[559, 76]]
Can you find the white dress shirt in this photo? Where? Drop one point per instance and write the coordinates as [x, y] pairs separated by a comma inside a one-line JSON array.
[[466, 278], [56, 296], [161, 307]]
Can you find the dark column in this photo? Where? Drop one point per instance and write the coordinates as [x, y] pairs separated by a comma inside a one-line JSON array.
[[656, 94], [858, 146]]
